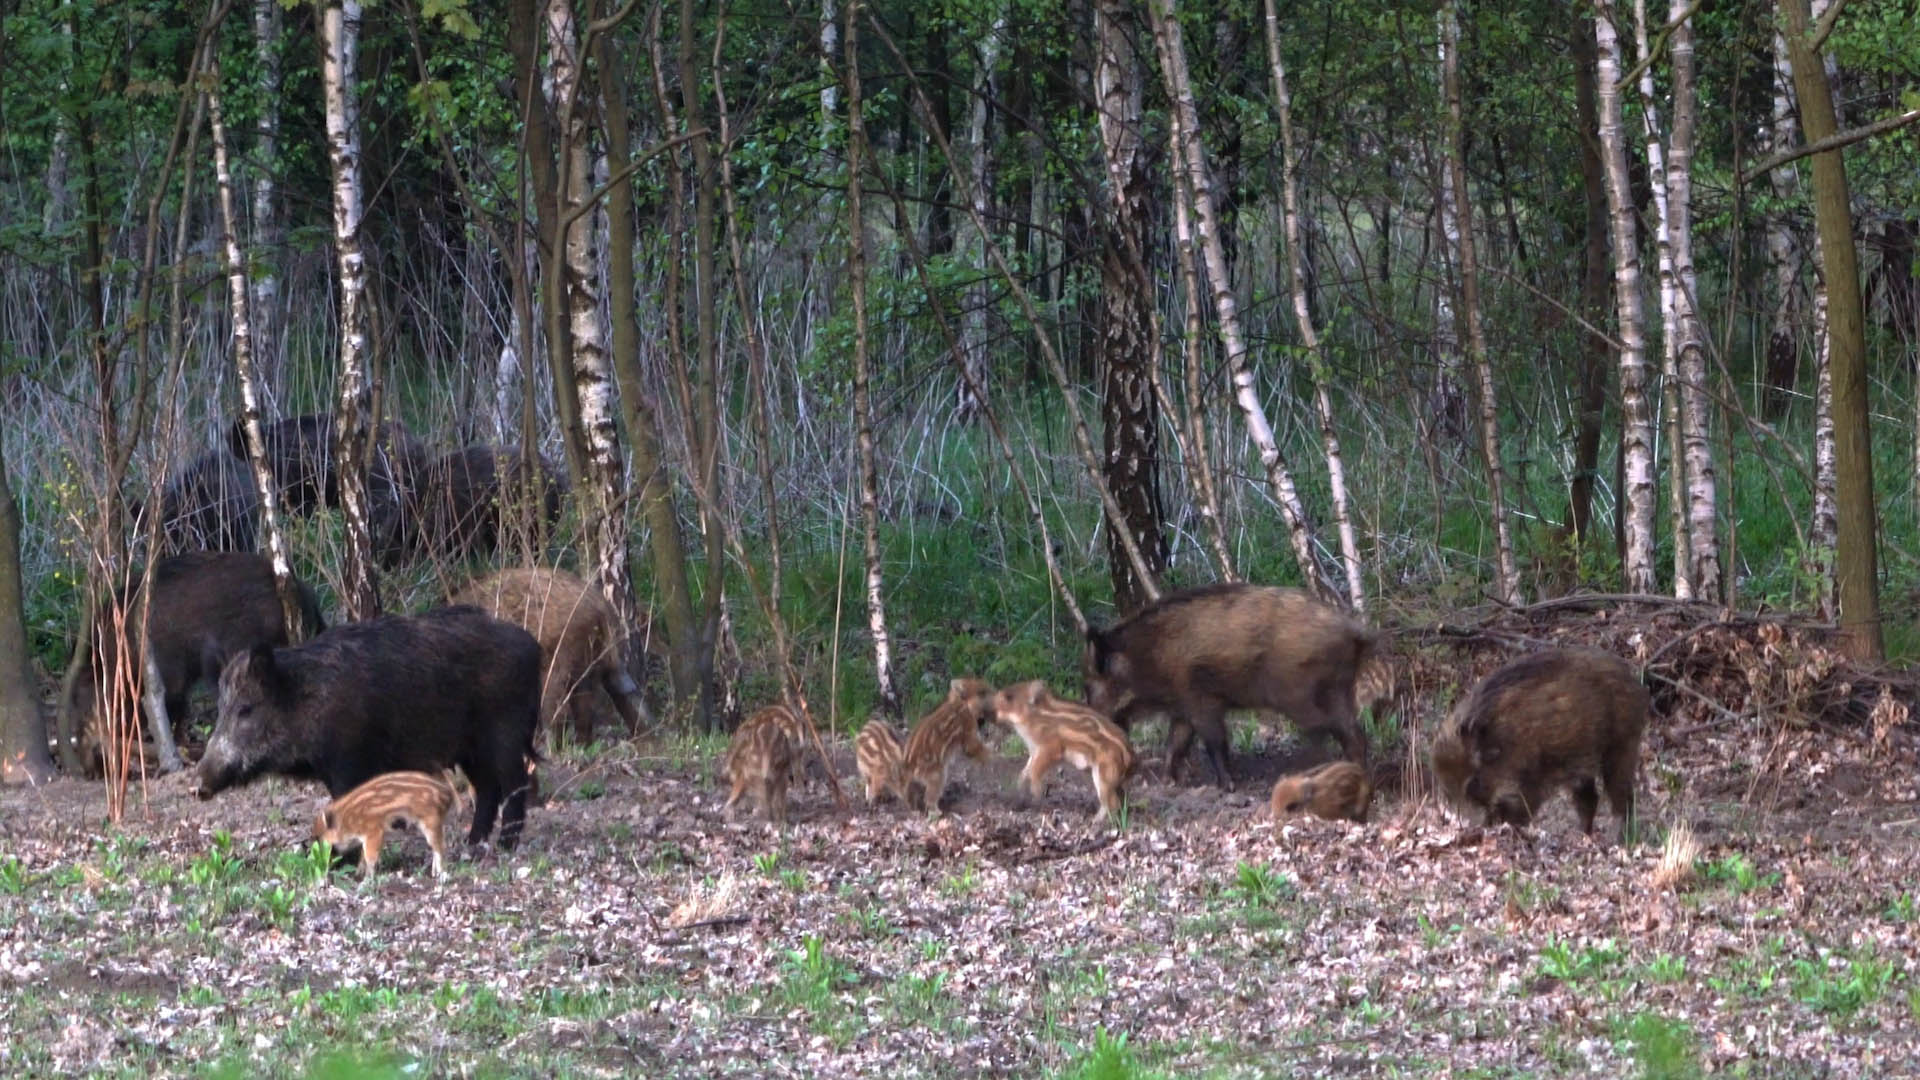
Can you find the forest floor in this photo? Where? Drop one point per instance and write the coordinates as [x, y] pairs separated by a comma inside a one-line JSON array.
[[638, 932]]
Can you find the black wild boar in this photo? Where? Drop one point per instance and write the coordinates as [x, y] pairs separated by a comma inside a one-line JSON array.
[[581, 642], [454, 686], [1558, 718], [300, 455], [210, 505], [465, 500], [207, 607], [1195, 654]]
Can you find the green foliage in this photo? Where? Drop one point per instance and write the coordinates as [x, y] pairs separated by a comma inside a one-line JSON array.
[[216, 868], [14, 877], [1737, 873], [1663, 1048], [813, 976], [1843, 986], [1110, 1057], [1260, 886], [1569, 963]]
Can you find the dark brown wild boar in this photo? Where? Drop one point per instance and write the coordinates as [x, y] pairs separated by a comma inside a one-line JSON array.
[[468, 499], [211, 504], [454, 686], [207, 607], [300, 452], [581, 642], [1195, 654], [1557, 718]]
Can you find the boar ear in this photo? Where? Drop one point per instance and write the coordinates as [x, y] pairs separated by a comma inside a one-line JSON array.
[[264, 670], [957, 689], [1036, 692], [331, 819]]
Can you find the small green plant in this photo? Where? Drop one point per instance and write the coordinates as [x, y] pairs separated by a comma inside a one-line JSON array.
[[873, 921], [1663, 1048], [306, 867], [1666, 968], [932, 949], [216, 868], [1737, 872], [768, 863], [964, 882], [13, 876], [1845, 988], [813, 975], [1527, 894], [1433, 936], [1559, 960], [280, 902], [1109, 1058], [1260, 886], [1903, 908], [917, 998]]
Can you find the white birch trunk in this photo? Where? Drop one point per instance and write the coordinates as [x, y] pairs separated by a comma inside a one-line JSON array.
[[1783, 345], [1636, 418], [1669, 311], [973, 331], [1310, 340], [605, 519], [266, 217], [1696, 421], [862, 406], [353, 426], [236, 268], [1192, 165], [1508, 585], [829, 83], [1825, 534], [1446, 411]]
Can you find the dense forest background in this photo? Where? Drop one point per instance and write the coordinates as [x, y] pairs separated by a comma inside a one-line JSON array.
[[1416, 306]]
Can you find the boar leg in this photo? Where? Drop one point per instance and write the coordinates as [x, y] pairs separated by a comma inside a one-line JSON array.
[[1617, 773], [486, 804], [370, 853], [1035, 774], [515, 814], [1586, 802], [1210, 720], [1179, 741]]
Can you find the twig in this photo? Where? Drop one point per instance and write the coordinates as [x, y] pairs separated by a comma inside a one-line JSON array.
[[718, 920]]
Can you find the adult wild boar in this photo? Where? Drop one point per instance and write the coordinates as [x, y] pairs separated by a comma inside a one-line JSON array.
[[209, 505], [1195, 654], [1559, 718], [467, 499], [582, 643], [454, 686], [300, 456], [207, 606]]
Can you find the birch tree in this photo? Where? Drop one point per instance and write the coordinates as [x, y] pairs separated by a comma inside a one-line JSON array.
[[235, 265], [266, 202], [862, 407], [1783, 261], [1127, 337], [1636, 435], [353, 426], [1191, 162], [604, 517], [1467, 263], [1702, 494], [974, 331], [1310, 341]]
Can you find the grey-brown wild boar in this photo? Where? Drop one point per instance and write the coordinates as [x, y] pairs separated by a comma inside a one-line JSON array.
[[582, 644], [454, 686], [207, 606], [1336, 790], [1195, 654], [1558, 718]]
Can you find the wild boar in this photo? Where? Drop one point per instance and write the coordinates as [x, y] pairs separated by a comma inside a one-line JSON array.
[[760, 759], [1057, 730], [1195, 654], [878, 755], [582, 643], [454, 686], [952, 727], [1559, 718], [1338, 789], [300, 455], [209, 505], [361, 817], [468, 498], [207, 606]]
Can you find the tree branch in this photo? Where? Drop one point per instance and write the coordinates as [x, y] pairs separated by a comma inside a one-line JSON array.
[[1659, 43], [1832, 142], [1817, 37], [631, 167]]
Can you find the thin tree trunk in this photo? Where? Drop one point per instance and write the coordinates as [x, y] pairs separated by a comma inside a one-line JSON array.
[[653, 487], [267, 330], [353, 426], [1316, 360], [1783, 340], [1824, 534], [236, 268], [1199, 447], [1192, 162], [974, 329], [1509, 580], [1669, 312], [706, 409], [1696, 425], [1855, 557], [1592, 380], [1446, 407], [603, 483], [1636, 435], [1131, 422], [23, 726], [862, 407]]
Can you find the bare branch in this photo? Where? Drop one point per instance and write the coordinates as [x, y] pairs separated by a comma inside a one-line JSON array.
[[1834, 141]]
